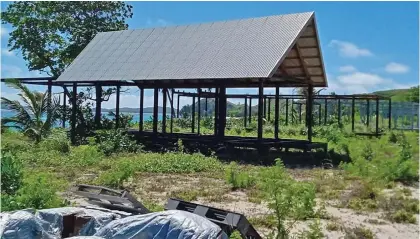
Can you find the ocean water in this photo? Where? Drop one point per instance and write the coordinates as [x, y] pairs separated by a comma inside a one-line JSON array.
[[136, 116]]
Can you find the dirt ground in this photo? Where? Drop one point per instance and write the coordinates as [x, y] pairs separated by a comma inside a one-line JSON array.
[[213, 191]]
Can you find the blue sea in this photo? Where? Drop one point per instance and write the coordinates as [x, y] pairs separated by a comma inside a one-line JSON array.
[[136, 116]]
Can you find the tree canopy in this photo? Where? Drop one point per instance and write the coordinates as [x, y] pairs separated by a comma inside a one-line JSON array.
[[51, 34]]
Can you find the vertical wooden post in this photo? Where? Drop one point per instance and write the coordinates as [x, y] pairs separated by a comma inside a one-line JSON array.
[[287, 111], [172, 111], [205, 109], [249, 111], [155, 110], [368, 113], [300, 113], [320, 114], [177, 107], [199, 112], [260, 108], [339, 111], [73, 113], [141, 109], [389, 113], [293, 120], [64, 108], [222, 112], [164, 100], [193, 115], [265, 107], [326, 111], [309, 103], [377, 117], [353, 109], [117, 110], [216, 111], [245, 111], [49, 102], [269, 109], [98, 93], [276, 114]]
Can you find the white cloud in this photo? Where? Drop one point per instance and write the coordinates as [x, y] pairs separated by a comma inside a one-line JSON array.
[[6, 52], [348, 49], [360, 78], [347, 68], [396, 68], [3, 31], [157, 22]]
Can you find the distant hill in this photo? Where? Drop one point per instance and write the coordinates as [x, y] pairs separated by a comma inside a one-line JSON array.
[[398, 95], [136, 110]]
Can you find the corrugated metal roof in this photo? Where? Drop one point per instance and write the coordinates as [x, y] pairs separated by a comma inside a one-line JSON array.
[[248, 48]]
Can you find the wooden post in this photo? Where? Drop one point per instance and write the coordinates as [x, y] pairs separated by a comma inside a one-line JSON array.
[[320, 114], [155, 110], [300, 113], [377, 117], [245, 111], [326, 111], [309, 103], [368, 113], [287, 111], [269, 109], [216, 111], [339, 111], [172, 111], [249, 111], [293, 120], [276, 114], [205, 109], [64, 109], [222, 112], [117, 110], [98, 92], [73, 113], [260, 108], [199, 113], [352, 113], [141, 109], [265, 107], [177, 107], [193, 115], [389, 113], [49, 102], [164, 99]]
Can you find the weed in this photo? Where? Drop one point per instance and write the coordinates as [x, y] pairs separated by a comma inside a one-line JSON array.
[[235, 235], [266, 221], [237, 178], [57, 140], [186, 195], [314, 232], [367, 152], [333, 226], [402, 216], [11, 173], [358, 233], [392, 138], [115, 141]]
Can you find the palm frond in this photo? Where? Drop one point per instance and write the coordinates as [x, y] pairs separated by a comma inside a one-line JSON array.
[[26, 93], [20, 111]]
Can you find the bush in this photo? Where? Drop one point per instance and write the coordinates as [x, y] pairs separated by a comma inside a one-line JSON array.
[[392, 138], [238, 179], [11, 173], [314, 232], [286, 197], [57, 141], [84, 155], [402, 216], [115, 141], [358, 233], [367, 152]]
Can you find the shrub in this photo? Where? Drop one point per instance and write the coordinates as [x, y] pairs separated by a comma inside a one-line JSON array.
[[358, 233], [333, 226], [402, 216], [57, 141], [314, 232], [367, 152], [392, 138], [238, 179], [11, 173], [286, 197], [115, 141], [84, 155]]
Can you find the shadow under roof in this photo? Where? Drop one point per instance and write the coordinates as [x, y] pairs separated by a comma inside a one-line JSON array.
[[282, 49]]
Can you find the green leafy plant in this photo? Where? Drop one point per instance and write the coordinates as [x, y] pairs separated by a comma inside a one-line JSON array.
[[57, 140], [238, 179], [115, 141], [11, 173], [314, 232]]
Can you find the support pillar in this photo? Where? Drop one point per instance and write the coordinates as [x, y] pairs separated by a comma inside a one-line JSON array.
[[216, 111], [222, 112], [339, 111], [320, 114], [64, 109], [141, 109], [205, 109], [265, 107], [49, 102], [98, 92], [287, 111], [199, 112], [269, 109], [276, 114], [164, 99], [352, 113], [249, 111], [155, 110], [389, 113], [300, 113], [377, 118], [73, 114], [193, 115], [177, 107], [309, 102], [326, 112], [245, 111], [172, 111], [368, 113], [260, 108], [117, 110]]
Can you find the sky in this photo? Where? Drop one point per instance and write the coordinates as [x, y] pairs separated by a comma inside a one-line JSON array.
[[366, 46]]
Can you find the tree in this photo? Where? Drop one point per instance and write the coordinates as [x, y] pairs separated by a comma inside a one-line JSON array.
[[414, 94], [51, 34], [29, 116]]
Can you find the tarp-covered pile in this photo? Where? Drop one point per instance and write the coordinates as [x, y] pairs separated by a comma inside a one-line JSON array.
[[94, 223]]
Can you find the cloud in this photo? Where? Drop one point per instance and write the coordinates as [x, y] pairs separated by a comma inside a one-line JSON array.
[[347, 68], [4, 31], [157, 22], [396, 68], [6, 52], [348, 49]]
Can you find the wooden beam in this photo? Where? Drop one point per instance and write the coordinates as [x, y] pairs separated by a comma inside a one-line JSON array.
[[73, 114], [305, 67], [98, 92], [164, 101], [276, 114], [64, 109], [155, 110], [141, 109], [117, 110], [309, 111], [260, 109]]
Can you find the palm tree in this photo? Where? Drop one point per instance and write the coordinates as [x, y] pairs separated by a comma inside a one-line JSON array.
[[28, 117]]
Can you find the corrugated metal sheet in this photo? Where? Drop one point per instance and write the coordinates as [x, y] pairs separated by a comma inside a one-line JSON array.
[[248, 48]]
